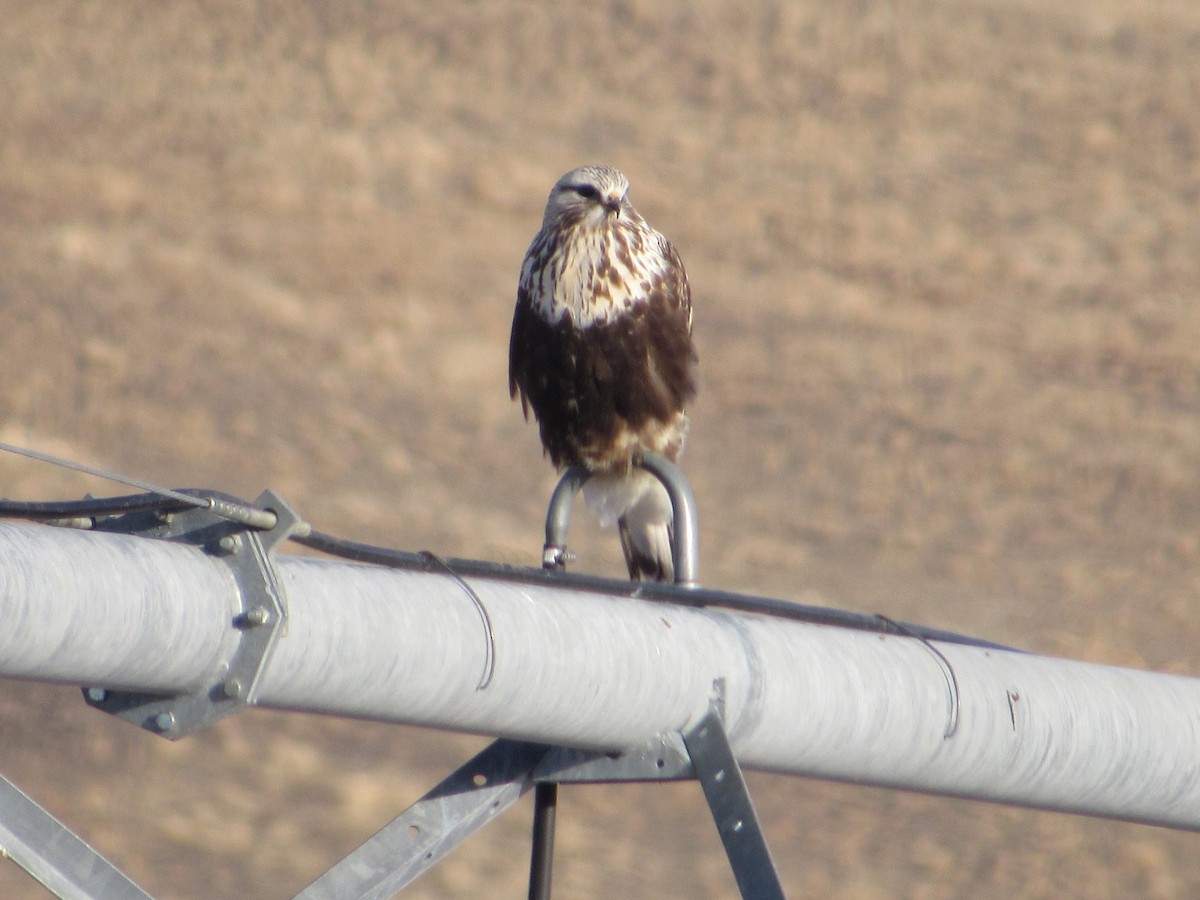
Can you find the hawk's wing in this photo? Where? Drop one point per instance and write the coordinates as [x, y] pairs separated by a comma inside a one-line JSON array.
[[518, 349], [676, 290]]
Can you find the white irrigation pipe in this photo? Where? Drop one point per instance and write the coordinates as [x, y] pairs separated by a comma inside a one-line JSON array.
[[588, 670]]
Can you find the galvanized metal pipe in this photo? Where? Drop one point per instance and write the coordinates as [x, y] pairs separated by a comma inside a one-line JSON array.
[[589, 670], [122, 612]]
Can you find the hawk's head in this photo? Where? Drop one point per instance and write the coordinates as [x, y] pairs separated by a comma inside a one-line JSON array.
[[588, 195]]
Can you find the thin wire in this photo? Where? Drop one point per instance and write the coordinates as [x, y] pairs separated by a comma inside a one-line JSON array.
[[202, 502], [489, 662], [947, 670]]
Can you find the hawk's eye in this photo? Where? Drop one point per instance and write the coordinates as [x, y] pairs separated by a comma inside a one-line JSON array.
[[587, 192]]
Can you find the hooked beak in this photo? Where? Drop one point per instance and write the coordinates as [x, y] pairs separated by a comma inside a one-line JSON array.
[[613, 204]]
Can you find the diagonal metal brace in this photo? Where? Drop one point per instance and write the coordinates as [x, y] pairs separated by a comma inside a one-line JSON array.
[[506, 770], [54, 856], [255, 626], [729, 800], [433, 826], [471, 797]]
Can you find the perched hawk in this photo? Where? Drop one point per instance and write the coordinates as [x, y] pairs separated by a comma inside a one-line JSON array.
[[602, 350]]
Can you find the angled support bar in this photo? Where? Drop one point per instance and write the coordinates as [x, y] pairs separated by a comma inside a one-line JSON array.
[[505, 770], [729, 800], [471, 797], [255, 627], [54, 856], [433, 826], [685, 532]]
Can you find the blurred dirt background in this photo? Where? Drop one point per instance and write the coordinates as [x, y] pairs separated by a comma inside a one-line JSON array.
[[945, 263]]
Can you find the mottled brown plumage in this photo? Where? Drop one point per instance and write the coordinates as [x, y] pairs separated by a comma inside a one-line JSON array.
[[602, 352]]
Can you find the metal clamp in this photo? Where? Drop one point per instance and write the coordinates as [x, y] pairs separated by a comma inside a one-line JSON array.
[[685, 530], [258, 623]]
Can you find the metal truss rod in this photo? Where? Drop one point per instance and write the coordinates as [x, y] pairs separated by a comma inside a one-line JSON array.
[[732, 810], [421, 837], [541, 861], [548, 664], [56, 858]]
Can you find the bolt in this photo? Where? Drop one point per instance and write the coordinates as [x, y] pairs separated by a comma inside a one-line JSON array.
[[258, 615], [164, 721], [234, 689], [230, 544], [97, 694]]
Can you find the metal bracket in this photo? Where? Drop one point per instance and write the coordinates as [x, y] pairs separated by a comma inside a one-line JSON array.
[[663, 759], [685, 538], [258, 623], [506, 770]]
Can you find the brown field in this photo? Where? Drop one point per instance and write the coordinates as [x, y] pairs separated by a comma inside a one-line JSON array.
[[946, 264]]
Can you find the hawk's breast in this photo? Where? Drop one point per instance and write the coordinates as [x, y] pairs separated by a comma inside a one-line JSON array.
[[592, 274], [601, 346]]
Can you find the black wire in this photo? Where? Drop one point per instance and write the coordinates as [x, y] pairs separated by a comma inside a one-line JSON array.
[[90, 507], [666, 593]]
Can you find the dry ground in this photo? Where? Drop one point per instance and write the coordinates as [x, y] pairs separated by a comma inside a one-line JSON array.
[[944, 255]]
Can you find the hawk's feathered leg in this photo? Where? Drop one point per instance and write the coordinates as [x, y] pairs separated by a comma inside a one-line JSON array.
[[646, 543]]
